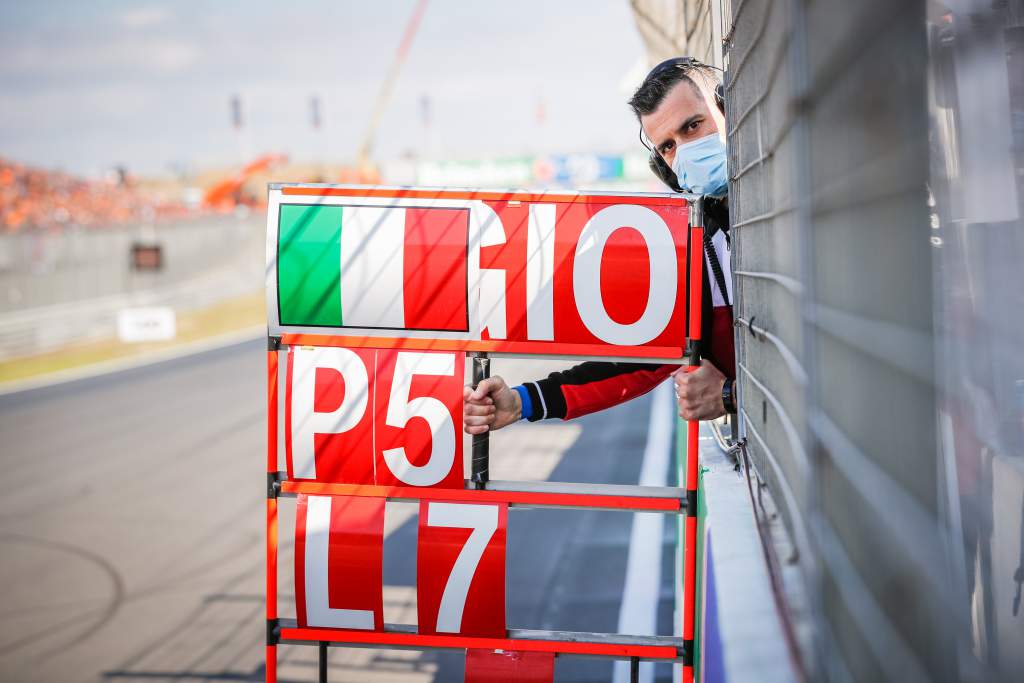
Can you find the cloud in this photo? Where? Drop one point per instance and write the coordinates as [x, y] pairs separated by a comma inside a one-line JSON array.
[[171, 56], [143, 17]]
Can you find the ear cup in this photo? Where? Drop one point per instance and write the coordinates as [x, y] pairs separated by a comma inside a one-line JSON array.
[[663, 171]]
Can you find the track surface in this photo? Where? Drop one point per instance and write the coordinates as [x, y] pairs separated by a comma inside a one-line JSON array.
[[131, 532]]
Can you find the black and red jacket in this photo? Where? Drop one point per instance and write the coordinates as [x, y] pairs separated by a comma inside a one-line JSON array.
[[596, 385]]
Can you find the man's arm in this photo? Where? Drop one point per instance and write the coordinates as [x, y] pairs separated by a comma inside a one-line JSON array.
[[592, 386], [587, 388]]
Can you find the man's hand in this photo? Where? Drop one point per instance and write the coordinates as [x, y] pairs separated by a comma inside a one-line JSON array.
[[699, 393], [492, 405]]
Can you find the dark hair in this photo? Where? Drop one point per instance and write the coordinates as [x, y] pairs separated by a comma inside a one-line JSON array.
[[663, 78]]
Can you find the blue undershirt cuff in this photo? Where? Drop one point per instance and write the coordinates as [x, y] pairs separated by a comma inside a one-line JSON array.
[[524, 398]]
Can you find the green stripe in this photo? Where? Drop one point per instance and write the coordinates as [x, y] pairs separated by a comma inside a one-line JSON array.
[[309, 265]]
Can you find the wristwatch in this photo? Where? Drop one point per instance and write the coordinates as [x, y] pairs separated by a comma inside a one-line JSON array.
[[728, 396]]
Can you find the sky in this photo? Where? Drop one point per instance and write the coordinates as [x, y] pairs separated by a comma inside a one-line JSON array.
[[88, 85]]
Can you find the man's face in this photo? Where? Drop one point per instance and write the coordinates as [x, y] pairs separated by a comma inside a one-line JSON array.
[[683, 116]]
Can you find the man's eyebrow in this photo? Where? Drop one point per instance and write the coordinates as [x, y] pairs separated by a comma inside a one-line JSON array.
[[687, 122], [682, 127]]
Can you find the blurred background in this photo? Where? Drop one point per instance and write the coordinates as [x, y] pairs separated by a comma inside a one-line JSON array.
[[136, 139], [876, 155]]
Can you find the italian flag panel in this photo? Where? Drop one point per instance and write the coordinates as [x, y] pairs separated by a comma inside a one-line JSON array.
[[371, 266]]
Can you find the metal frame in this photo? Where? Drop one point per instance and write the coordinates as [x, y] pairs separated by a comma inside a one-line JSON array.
[[695, 270], [669, 500], [566, 643]]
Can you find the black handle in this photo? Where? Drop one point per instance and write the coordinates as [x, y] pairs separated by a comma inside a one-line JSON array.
[[480, 463]]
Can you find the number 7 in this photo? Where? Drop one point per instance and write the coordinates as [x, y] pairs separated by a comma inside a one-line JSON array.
[[470, 597]]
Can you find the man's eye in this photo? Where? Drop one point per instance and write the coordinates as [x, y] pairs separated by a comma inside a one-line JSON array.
[[667, 147], [693, 126]]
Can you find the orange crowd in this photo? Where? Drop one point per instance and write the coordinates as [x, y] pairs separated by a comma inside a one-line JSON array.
[[33, 198]]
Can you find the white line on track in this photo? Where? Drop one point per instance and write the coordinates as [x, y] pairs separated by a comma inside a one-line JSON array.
[[119, 364], [639, 612]]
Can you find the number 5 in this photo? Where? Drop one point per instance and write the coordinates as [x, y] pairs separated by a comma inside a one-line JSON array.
[[401, 409], [461, 580]]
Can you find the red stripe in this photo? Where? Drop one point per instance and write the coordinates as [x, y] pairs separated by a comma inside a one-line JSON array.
[[271, 667], [271, 564], [289, 365], [582, 399], [666, 353], [476, 496], [272, 425], [696, 280], [435, 290], [483, 195], [462, 642], [625, 279], [723, 351], [355, 556], [271, 558], [299, 550]]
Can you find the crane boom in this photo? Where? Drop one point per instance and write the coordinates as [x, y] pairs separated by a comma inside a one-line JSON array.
[[388, 84]]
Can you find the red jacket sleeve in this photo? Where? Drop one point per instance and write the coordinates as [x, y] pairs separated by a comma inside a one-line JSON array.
[[592, 386]]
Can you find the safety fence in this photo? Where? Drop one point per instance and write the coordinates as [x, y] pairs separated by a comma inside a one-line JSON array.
[[68, 287], [376, 298]]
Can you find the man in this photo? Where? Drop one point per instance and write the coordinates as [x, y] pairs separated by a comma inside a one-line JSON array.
[[679, 107]]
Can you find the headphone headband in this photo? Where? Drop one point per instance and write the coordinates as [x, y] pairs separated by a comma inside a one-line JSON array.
[[674, 62]]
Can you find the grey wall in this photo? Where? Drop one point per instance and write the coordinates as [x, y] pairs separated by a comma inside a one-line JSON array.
[[39, 268], [826, 111]]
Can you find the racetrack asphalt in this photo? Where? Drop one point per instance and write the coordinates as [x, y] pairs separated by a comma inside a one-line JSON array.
[[132, 532]]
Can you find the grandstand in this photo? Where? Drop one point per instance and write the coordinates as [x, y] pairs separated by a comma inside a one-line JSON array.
[[40, 199]]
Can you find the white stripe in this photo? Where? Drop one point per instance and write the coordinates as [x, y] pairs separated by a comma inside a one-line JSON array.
[[638, 614], [722, 251], [372, 273], [543, 405], [540, 270]]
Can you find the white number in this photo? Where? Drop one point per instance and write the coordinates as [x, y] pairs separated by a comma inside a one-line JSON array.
[[483, 520], [306, 422], [401, 410], [586, 275]]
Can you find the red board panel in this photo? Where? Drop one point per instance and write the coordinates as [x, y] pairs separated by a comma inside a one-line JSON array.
[[549, 274], [608, 287], [339, 555], [509, 666], [418, 418], [328, 422], [374, 416], [590, 280], [460, 568]]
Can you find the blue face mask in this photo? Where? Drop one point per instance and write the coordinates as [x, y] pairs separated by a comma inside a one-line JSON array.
[[700, 166]]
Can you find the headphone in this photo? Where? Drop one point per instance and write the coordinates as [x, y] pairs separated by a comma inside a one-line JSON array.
[[657, 164]]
